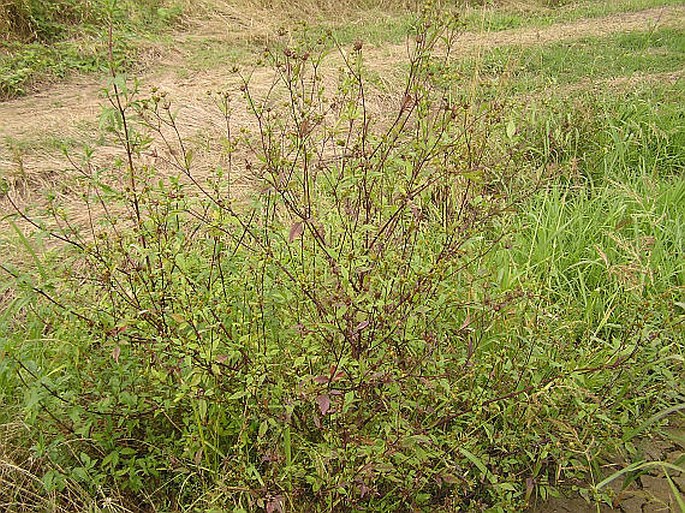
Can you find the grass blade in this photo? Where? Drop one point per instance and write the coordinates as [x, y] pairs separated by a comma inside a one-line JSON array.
[[653, 419]]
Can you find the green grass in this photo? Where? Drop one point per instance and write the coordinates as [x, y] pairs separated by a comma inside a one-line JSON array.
[[609, 246], [26, 64], [622, 164], [544, 14], [662, 50], [586, 60], [49, 41]]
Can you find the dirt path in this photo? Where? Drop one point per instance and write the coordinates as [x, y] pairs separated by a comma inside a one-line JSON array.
[[623, 22], [62, 109], [469, 43]]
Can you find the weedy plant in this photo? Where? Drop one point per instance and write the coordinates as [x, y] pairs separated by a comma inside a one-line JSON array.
[[331, 337]]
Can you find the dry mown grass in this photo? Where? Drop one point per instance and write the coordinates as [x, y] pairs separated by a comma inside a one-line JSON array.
[[62, 111]]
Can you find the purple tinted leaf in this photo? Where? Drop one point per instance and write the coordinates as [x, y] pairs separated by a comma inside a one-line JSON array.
[[275, 505], [324, 403], [530, 487], [296, 231], [362, 325], [116, 352]]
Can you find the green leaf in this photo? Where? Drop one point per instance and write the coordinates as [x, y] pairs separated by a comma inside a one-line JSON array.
[[27, 244], [651, 420], [676, 493], [479, 464], [511, 129], [640, 465]]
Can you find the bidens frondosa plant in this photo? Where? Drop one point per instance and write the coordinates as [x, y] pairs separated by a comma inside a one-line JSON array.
[[311, 325]]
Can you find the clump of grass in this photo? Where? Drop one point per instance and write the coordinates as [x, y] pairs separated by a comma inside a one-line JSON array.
[[506, 15], [50, 22], [48, 40], [623, 56]]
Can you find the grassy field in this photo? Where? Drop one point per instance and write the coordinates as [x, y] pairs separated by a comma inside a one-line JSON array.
[[397, 258]]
